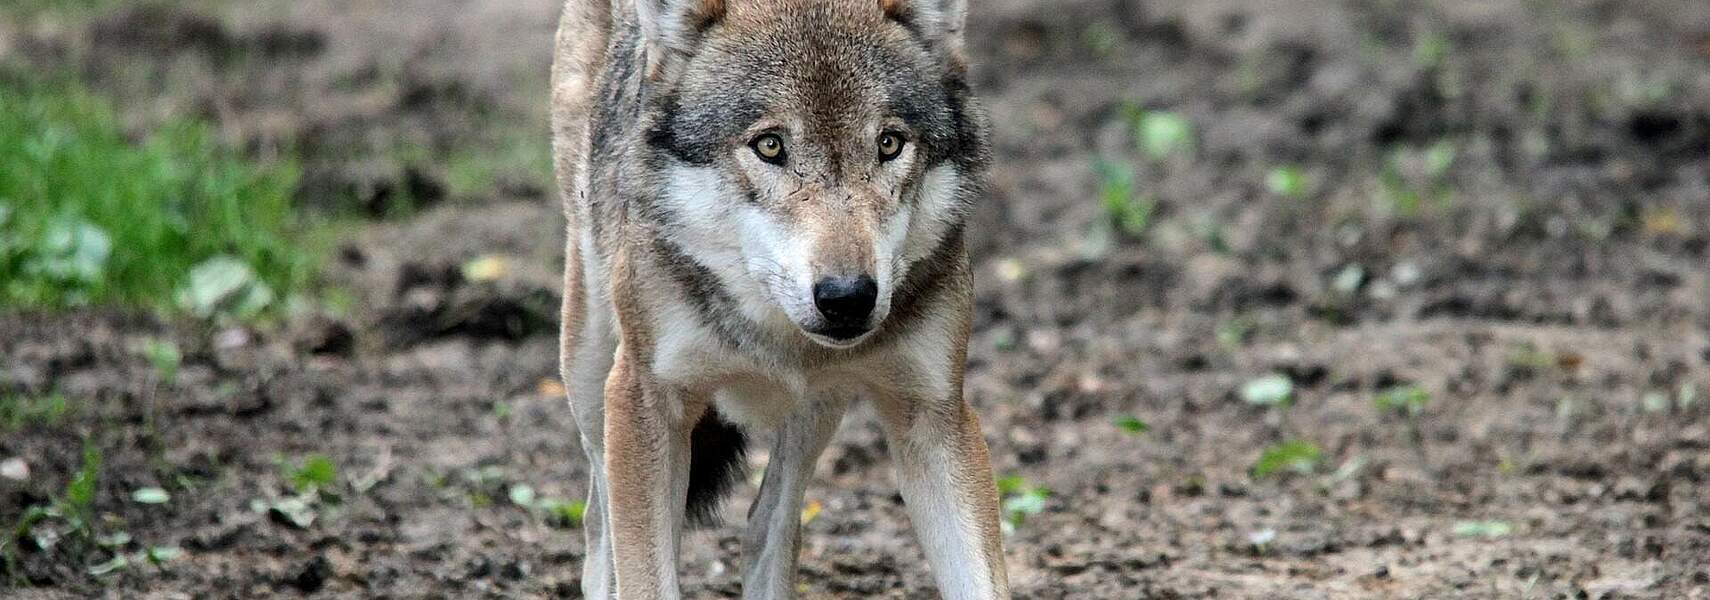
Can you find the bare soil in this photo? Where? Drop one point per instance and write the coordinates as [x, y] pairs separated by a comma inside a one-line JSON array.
[[1549, 293]]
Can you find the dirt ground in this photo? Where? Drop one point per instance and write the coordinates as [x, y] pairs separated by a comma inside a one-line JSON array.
[[1549, 293]]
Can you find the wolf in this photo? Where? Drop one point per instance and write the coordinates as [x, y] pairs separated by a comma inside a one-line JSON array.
[[766, 205]]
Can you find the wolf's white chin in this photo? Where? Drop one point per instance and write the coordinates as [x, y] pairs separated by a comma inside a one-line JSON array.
[[837, 344]]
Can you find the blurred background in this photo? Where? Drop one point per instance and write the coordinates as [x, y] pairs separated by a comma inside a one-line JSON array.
[[1310, 299]]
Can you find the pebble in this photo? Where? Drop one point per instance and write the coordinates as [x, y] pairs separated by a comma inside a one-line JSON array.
[[15, 469]]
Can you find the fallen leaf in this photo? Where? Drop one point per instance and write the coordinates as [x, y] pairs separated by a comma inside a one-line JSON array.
[[151, 495], [1485, 529], [486, 268], [551, 387], [522, 495], [1662, 222], [1010, 270], [118, 562], [160, 554], [1262, 537], [1269, 390]]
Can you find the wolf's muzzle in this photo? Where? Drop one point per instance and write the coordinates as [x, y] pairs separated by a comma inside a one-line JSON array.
[[846, 303]]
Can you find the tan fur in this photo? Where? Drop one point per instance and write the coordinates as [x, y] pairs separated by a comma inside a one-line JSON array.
[[583, 33], [846, 245], [636, 469]]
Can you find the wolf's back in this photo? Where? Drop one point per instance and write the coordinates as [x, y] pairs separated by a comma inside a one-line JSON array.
[[584, 32]]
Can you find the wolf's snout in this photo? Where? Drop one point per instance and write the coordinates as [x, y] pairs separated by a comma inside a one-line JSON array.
[[846, 303]]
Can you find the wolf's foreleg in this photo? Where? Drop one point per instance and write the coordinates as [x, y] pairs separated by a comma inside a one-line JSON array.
[[647, 471], [585, 356], [945, 475], [773, 538]]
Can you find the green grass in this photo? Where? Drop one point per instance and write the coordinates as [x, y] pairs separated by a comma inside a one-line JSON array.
[[173, 221], [1291, 456], [315, 472], [1020, 500], [1130, 211], [522, 158], [28, 8], [1413, 180], [19, 411], [1406, 400], [1287, 181], [1159, 134], [1131, 424], [71, 515]]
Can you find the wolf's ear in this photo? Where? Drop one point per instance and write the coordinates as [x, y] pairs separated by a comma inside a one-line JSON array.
[[671, 28], [938, 20]]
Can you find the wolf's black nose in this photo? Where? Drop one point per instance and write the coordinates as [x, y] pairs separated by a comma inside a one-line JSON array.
[[846, 302]]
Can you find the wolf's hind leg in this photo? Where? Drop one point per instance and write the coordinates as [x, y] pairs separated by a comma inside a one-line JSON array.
[[773, 538]]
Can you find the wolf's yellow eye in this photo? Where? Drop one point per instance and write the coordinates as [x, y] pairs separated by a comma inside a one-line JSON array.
[[890, 146], [769, 147]]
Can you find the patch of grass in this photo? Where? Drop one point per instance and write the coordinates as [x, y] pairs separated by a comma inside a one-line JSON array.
[[316, 472], [563, 513], [1131, 424], [1287, 181], [29, 8], [314, 485], [1527, 356], [1129, 211], [1484, 529], [18, 411], [1161, 134], [557, 512], [1101, 38], [164, 356], [1234, 333], [1210, 231], [1294, 455], [174, 221], [1431, 49], [1413, 179], [1407, 400], [1020, 500], [67, 523], [153, 555], [524, 159], [79, 497]]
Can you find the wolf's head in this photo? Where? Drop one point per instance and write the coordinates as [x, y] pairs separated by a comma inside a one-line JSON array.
[[811, 152]]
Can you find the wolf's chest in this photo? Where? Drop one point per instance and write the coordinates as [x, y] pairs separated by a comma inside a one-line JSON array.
[[749, 388]]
